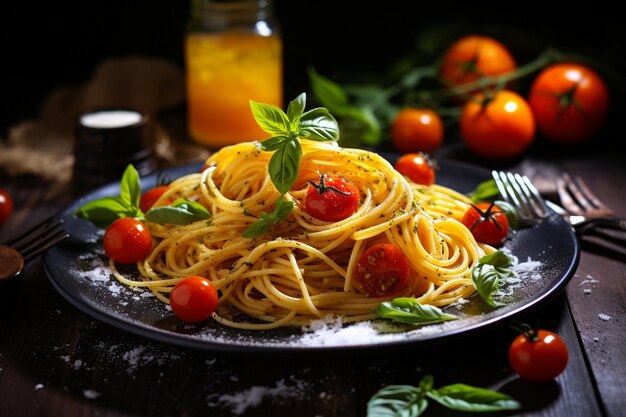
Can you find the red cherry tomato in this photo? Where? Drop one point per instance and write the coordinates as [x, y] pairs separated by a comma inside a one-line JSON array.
[[501, 127], [487, 222], [418, 167], [194, 299], [150, 197], [127, 240], [332, 199], [475, 56], [383, 270], [538, 356], [570, 102], [6, 206], [416, 130]]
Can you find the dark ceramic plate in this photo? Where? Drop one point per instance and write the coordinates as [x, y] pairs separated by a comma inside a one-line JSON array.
[[77, 270]]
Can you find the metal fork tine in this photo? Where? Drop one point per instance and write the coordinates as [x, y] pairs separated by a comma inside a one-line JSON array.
[[505, 188], [579, 197], [538, 203], [39, 238], [588, 194], [522, 198], [45, 244], [563, 185]]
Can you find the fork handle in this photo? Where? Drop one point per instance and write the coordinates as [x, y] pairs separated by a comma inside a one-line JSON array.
[[614, 223]]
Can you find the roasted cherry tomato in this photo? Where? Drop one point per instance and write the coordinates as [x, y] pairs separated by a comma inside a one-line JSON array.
[[498, 127], [418, 167], [383, 270], [6, 206], [333, 199], [475, 56], [570, 102], [487, 222], [416, 130], [538, 355], [127, 240], [152, 196], [194, 299]]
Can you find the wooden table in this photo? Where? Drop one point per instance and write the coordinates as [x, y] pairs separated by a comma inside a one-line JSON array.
[[57, 361]]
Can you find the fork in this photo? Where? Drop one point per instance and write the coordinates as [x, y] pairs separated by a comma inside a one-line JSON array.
[[585, 209], [18, 251], [520, 192]]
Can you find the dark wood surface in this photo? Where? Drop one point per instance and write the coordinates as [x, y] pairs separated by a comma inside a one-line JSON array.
[[57, 361]]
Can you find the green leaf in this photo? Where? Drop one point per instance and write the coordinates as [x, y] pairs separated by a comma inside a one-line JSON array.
[[397, 401], [284, 165], [274, 143], [282, 209], [409, 310], [130, 186], [104, 211], [487, 274], [484, 191], [271, 118], [319, 124], [256, 229], [371, 130], [181, 212], [329, 93], [511, 213], [295, 111], [464, 397]]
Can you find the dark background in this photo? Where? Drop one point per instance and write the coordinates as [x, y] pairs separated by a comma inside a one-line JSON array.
[[54, 44]]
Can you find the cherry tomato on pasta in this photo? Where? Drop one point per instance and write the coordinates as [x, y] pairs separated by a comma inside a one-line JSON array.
[[150, 197], [475, 56], [383, 270], [6, 206], [570, 102], [487, 222], [418, 167], [194, 299], [416, 130], [538, 355], [501, 126], [127, 240], [332, 199]]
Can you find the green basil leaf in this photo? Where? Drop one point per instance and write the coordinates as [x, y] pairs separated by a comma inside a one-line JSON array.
[[271, 118], [397, 401], [371, 129], [284, 165], [295, 111], [486, 190], [130, 186], [181, 212], [104, 211], [464, 397], [274, 143], [409, 310], [329, 93], [282, 210], [256, 229], [487, 274], [319, 124]]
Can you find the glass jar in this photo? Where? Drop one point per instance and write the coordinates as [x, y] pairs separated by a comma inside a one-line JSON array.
[[233, 54]]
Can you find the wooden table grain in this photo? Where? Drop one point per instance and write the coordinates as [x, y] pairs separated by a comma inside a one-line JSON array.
[[57, 361]]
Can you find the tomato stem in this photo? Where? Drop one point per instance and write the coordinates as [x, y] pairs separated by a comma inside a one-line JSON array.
[[322, 188]]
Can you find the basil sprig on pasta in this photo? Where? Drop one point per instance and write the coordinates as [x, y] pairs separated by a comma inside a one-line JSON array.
[[286, 129], [487, 274]]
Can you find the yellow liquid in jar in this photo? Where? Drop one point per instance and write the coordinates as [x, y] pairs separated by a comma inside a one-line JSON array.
[[224, 72]]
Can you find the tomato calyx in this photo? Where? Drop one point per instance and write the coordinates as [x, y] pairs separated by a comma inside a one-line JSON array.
[[322, 187], [529, 332], [487, 215]]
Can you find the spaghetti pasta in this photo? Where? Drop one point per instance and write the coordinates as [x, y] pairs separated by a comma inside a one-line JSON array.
[[304, 269]]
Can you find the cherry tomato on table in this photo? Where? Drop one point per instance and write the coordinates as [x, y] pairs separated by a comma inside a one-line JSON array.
[[150, 197], [332, 199], [498, 127], [6, 206], [487, 222], [416, 130], [538, 355], [570, 102], [382, 270], [127, 240], [475, 56], [194, 299], [418, 167]]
